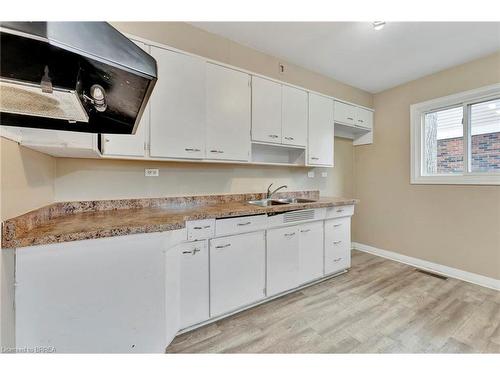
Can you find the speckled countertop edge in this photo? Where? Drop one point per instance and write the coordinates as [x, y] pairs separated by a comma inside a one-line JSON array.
[[73, 221]]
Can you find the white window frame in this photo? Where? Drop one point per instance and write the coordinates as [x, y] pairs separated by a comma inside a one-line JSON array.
[[417, 111]]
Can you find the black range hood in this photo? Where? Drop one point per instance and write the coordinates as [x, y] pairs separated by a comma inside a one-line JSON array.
[[75, 76]]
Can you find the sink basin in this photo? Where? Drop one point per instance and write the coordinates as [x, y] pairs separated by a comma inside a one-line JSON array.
[[295, 200], [267, 202]]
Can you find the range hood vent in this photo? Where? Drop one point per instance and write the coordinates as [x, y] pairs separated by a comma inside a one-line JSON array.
[[75, 76]]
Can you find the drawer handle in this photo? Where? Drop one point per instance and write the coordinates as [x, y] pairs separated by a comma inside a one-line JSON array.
[[289, 234], [204, 227], [272, 136], [340, 210], [337, 225], [216, 151], [336, 242], [337, 259], [192, 149], [350, 118], [314, 158], [360, 120], [195, 250], [243, 224], [289, 138], [305, 230], [223, 246]]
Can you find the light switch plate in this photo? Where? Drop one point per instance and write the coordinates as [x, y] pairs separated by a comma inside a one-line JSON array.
[[151, 172], [310, 174]]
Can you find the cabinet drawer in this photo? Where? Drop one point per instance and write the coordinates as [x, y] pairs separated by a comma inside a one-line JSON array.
[[340, 211], [337, 244], [242, 224], [200, 229]]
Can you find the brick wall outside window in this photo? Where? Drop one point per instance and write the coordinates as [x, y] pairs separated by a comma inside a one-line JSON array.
[[485, 153]]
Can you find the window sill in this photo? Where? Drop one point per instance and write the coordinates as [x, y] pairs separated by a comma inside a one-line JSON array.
[[470, 179]]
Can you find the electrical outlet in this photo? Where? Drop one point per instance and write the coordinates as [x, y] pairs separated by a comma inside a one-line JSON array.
[[310, 174], [324, 174], [151, 172]]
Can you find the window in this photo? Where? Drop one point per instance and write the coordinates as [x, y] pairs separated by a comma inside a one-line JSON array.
[[456, 139]]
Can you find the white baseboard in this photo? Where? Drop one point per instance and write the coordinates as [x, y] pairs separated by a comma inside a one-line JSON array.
[[455, 273]]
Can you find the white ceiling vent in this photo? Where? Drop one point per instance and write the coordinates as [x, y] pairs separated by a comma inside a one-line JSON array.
[[291, 217]]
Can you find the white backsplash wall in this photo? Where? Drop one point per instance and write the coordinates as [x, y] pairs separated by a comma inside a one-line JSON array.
[[88, 179]]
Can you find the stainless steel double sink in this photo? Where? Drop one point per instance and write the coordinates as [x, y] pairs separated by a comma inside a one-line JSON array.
[[278, 202]]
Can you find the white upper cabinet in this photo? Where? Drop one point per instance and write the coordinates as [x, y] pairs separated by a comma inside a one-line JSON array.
[[266, 110], [178, 106], [127, 144], [294, 116], [364, 118], [228, 113], [320, 140], [345, 113]]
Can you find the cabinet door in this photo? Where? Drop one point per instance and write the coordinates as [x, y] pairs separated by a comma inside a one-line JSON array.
[[128, 144], [282, 259], [237, 271], [178, 106], [337, 244], [311, 254], [364, 118], [320, 150], [194, 281], [228, 114], [345, 113], [266, 110], [294, 120]]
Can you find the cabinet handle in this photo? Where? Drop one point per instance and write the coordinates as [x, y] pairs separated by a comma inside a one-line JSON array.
[[195, 250], [289, 234], [223, 246], [360, 120], [106, 139], [337, 259], [350, 118], [337, 225], [204, 227], [340, 210], [192, 149], [289, 138], [217, 151], [314, 158], [305, 230], [272, 136], [242, 224], [336, 242]]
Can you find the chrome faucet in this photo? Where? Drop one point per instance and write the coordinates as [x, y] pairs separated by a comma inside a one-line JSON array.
[[270, 194]]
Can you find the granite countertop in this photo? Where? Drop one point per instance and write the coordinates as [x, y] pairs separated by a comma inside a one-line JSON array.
[[71, 221]]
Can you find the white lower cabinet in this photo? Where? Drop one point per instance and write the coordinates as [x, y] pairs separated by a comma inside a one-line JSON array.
[[194, 290], [337, 244], [237, 271], [282, 259], [310, 251]]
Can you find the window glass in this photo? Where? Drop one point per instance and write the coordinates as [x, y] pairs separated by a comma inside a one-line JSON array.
[[485, 136], [443, 143]]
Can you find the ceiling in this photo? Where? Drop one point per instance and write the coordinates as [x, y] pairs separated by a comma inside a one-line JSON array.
[[356, 54]]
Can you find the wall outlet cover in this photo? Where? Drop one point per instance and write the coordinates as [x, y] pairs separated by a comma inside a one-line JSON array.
[[324, 174], [310, 174], [151, 172]]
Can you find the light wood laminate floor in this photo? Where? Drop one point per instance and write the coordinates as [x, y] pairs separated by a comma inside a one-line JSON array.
[[379, 306]]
